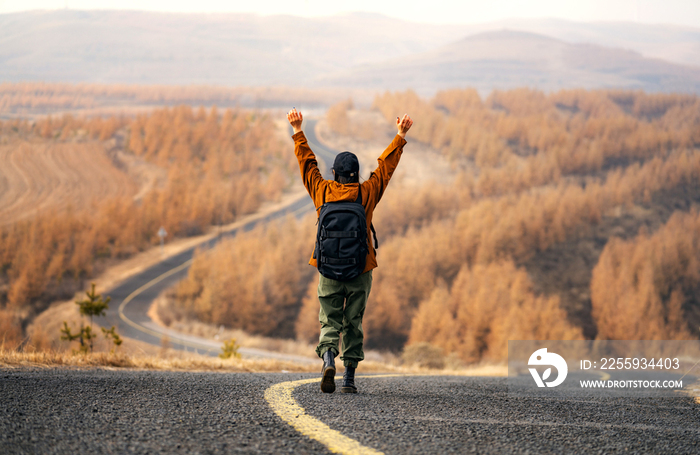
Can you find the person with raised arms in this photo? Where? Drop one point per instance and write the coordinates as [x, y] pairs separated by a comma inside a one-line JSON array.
[[344, 252]]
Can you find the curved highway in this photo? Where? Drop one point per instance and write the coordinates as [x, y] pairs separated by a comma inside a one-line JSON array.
[[132, 298]]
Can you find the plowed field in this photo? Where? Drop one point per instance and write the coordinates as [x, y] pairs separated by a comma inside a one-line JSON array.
[[35, 177]]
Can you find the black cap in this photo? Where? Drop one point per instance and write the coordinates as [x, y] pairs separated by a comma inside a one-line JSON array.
[[346, 164]]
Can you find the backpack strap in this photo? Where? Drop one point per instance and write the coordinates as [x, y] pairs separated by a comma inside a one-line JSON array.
[[371, 225], [374, 234]]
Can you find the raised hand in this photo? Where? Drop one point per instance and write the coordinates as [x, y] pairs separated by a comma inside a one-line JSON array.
[[403, 125], [295, 118]]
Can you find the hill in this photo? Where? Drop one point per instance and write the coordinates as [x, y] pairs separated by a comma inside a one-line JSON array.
[[676, 44], [129, 47], [508, 59], [79, 194], [37, 177], [223, 49]]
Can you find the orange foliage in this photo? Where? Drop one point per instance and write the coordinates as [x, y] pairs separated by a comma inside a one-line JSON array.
[[557, 165], [337, 117], [218, 167], [487, 306], [647, 288], [428, 203], [535, 170], [492, 230], [254, 281], [523, 138], [546, 169]]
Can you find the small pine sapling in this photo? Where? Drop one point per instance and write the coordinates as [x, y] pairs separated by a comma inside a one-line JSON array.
[[230, 349], [84, 335], [93, 305], [68, 335], [116, 339]]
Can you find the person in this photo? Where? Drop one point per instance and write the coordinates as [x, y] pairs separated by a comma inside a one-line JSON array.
[[343, 302]]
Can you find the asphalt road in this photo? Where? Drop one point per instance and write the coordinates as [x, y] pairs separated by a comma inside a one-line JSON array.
[[132, 299], [100, 411]]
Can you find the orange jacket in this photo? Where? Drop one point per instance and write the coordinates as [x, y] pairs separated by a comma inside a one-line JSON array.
[[372, 189]]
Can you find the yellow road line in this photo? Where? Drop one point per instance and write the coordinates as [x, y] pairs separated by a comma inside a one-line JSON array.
[[280, 398], [148, 331]]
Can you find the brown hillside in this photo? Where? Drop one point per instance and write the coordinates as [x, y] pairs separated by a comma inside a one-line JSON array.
[[565, 268], [41, 176]]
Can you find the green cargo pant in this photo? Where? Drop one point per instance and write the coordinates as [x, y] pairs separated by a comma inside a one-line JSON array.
[[343, 304]]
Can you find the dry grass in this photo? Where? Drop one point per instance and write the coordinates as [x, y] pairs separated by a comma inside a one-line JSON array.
[[176, 361], [53, 359], [161, 311]]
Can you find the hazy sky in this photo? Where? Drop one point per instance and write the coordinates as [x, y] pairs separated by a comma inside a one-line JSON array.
[[686, 12]]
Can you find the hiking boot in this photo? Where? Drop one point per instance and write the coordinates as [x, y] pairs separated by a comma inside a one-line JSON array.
[[328, 372], [349, 381]]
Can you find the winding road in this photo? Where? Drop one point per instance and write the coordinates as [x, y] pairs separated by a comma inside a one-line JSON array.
[[132, 298]]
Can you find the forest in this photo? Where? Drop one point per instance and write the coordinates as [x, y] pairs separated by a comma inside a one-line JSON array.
[[567, 215], [610, 175], [218, 166]]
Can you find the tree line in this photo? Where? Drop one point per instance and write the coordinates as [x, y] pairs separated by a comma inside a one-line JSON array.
[[37, 97], [219, 166]]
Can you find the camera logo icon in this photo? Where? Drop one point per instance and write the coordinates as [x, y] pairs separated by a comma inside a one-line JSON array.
[[541, 357]]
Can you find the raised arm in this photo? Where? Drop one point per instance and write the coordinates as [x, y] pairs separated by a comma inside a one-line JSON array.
[[308, 166], [389, 160]]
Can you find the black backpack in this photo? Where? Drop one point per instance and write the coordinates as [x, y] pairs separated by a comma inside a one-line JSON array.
[[341, 239]]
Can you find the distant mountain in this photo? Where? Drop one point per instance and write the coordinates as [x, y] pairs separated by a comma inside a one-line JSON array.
[[359, 49], [222, 49], [677, 44], [508, 59]]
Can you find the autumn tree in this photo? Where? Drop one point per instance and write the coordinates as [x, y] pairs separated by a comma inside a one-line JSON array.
[[647, 288], [486, 306]]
